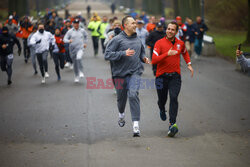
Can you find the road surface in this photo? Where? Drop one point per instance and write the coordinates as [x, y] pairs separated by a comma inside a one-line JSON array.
[[65, 124]]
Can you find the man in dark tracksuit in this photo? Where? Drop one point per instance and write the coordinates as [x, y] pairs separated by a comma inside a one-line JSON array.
[[126, 52], [7, 42], [200, 29], [153, 38]]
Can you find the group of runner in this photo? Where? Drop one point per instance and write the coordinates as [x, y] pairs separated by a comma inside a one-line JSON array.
[[123, 44]]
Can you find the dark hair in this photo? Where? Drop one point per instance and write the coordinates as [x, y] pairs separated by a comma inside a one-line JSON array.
[[174, 22], [40, 23], [124, 20]]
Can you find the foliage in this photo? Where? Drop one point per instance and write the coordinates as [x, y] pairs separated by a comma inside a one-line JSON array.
[[227, 14], [227, 41]]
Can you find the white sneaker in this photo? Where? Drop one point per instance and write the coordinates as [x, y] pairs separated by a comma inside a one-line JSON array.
[[76, 79], [43, 80], [67, 65], [71, 66], [136, 129], [46, 75], [81, 74]]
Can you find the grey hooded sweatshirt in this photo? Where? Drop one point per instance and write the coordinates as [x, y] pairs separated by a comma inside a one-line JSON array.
[[122, 65], [79, 37]]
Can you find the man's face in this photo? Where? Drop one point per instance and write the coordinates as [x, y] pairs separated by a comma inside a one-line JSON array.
[[171, 31], [57, 32], [105, 19], [76, 25], [190, 22], [95, 18], [140, 26], [178, 22], [198, 19], [130, 25], [68, 24], [152, 19], [40, 27]]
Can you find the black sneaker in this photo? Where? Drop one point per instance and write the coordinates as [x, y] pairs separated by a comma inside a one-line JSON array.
[[9, 82], [173, 129], [163, 115], [35, 73], [121, 122]]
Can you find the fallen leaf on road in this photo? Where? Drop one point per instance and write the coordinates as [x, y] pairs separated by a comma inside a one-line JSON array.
[[148, 148]]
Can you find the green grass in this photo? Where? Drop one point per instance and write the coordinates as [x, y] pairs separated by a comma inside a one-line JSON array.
[[226, 42]]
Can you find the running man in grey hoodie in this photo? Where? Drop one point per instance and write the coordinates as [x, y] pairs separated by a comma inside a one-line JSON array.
[[77, 39], [127, 55]]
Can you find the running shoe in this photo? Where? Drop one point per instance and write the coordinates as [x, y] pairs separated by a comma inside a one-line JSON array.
[[46, 75], [81, 74], [43, 80], [121, 122], [71, 67], [173, 129], [163, 115], [67, 65], [76, 79], [136, 131], [9, 82]]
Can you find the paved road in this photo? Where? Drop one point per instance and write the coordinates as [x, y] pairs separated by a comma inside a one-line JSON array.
[[65, 124]]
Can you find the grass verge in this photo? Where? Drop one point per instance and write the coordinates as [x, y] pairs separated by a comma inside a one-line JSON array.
[[226, 42]]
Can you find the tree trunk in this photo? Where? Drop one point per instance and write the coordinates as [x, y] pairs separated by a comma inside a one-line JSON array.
[[248, 31], [176, 8]]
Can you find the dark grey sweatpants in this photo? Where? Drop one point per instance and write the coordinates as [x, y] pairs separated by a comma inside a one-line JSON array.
[[128, 87]]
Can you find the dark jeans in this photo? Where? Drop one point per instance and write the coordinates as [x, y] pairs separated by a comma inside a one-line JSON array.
[[95, 44], [67, 55], [103, 47], [171, 84], [26, 49], [154, 66], [198, 46], [6, 65], [59, 60], [43, 62]]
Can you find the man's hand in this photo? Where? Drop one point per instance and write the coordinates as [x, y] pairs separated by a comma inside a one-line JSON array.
[[70, 41], [37, 42], [172, 52], [201, 29], [146, 60], [111, 36], [4, 46], [238, 53], [130, 52], [84, 45], [19, 52], [191, 70]]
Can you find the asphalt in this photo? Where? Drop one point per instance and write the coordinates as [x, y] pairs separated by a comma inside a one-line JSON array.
[[66, 124]]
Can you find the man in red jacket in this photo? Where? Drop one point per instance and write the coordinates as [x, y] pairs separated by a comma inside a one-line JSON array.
[[166, 55]]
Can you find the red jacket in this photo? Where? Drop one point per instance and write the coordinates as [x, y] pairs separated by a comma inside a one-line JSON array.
[[165, 63], [60, 44]]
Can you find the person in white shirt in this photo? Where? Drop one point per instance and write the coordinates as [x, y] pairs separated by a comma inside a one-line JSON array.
[[141, 32], [77, 39], [42, 40]]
